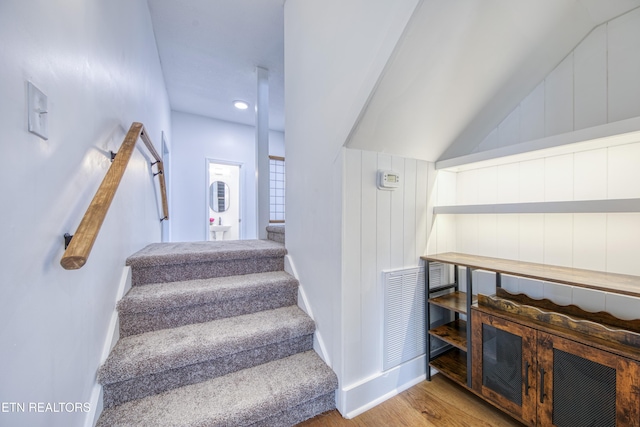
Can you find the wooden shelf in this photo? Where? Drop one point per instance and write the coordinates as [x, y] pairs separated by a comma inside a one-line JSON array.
[[456, 301], [454, 333], [590, 279], [453, 365]]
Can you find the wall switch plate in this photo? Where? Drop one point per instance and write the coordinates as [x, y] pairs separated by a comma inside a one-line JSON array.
[[37, 111]]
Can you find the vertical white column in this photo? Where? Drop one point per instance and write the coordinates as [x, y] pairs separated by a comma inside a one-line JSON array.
[[262, 153]]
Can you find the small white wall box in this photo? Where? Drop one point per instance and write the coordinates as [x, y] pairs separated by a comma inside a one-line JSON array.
[[388, 180]]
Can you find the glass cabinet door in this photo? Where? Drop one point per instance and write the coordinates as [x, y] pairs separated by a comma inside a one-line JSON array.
[[583, 386], [504, 364]]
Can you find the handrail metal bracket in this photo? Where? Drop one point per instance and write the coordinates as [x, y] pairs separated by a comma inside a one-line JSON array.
[[67, 240], [158, 173], [113, 155], [155, 163], [162, 219]]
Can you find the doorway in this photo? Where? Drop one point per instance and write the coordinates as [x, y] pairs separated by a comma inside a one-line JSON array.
[[223, 219]]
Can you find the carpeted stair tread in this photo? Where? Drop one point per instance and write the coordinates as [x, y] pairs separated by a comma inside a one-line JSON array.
[[157, 351], [163, 254], [248, 397], [171, 295]]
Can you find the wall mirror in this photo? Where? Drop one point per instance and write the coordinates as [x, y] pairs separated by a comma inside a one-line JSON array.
[[219, 196]]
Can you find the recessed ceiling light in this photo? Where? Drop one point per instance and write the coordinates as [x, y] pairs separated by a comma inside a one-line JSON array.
[[240, 105]]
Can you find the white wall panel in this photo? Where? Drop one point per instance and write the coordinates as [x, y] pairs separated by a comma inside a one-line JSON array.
[[490, 141], [509, 129], [623, 171], [590, 241], [422, 207], [508, 184], [558, 99], [382, 230], [446, 233], [467, 234], [623, 243], [351, 267], [397, 216], [590, 175], [590, 79], [508, 236], [558, 239], [531, 238], [558, 178], [409, 220], [531, 180], [488, 235], [467, 187], [370, 291], [446, 184], [487, 185], [532, 114], [624, 66]]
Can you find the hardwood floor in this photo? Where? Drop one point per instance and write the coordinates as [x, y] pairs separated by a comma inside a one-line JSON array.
[[438, 403]]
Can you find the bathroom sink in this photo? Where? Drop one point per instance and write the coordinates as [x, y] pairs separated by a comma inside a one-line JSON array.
[[219, 230]]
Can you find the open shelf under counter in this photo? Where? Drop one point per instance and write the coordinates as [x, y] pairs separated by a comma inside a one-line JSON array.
[[455, 301], [453, 365], [590, 279], [454, 333]]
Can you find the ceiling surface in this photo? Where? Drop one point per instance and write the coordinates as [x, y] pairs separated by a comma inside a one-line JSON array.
[[209, 51]]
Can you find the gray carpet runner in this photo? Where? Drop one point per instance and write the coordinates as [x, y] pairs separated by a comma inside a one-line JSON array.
[[203, 347]]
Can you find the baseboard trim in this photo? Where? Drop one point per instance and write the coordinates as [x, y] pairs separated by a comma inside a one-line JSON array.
[[110, 341], [357, 398]]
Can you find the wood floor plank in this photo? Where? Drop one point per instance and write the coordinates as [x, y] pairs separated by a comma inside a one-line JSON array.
[[438, 403]]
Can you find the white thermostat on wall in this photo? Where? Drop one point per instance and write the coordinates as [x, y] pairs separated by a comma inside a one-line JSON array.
[[388, 180]]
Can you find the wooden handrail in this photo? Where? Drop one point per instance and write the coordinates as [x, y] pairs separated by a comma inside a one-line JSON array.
[[76, 254]]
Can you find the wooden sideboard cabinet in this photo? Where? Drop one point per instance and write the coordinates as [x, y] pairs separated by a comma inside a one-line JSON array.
[[545, 364], [549, 375]]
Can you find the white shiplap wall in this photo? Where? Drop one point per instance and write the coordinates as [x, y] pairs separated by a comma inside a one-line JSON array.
[[382, 230]]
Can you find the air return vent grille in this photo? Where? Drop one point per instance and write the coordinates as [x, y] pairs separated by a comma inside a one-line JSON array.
[[403, 315]]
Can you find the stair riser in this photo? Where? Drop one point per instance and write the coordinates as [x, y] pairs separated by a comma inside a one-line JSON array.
[[136, 388], [297, 414], [137, 323], [204, 270]]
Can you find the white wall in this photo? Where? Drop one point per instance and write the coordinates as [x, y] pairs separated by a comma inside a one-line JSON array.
[[383, 230], [97, 62], [196, 138], [334, 54]]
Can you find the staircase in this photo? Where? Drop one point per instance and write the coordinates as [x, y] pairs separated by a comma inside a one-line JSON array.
[[210, 335]]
